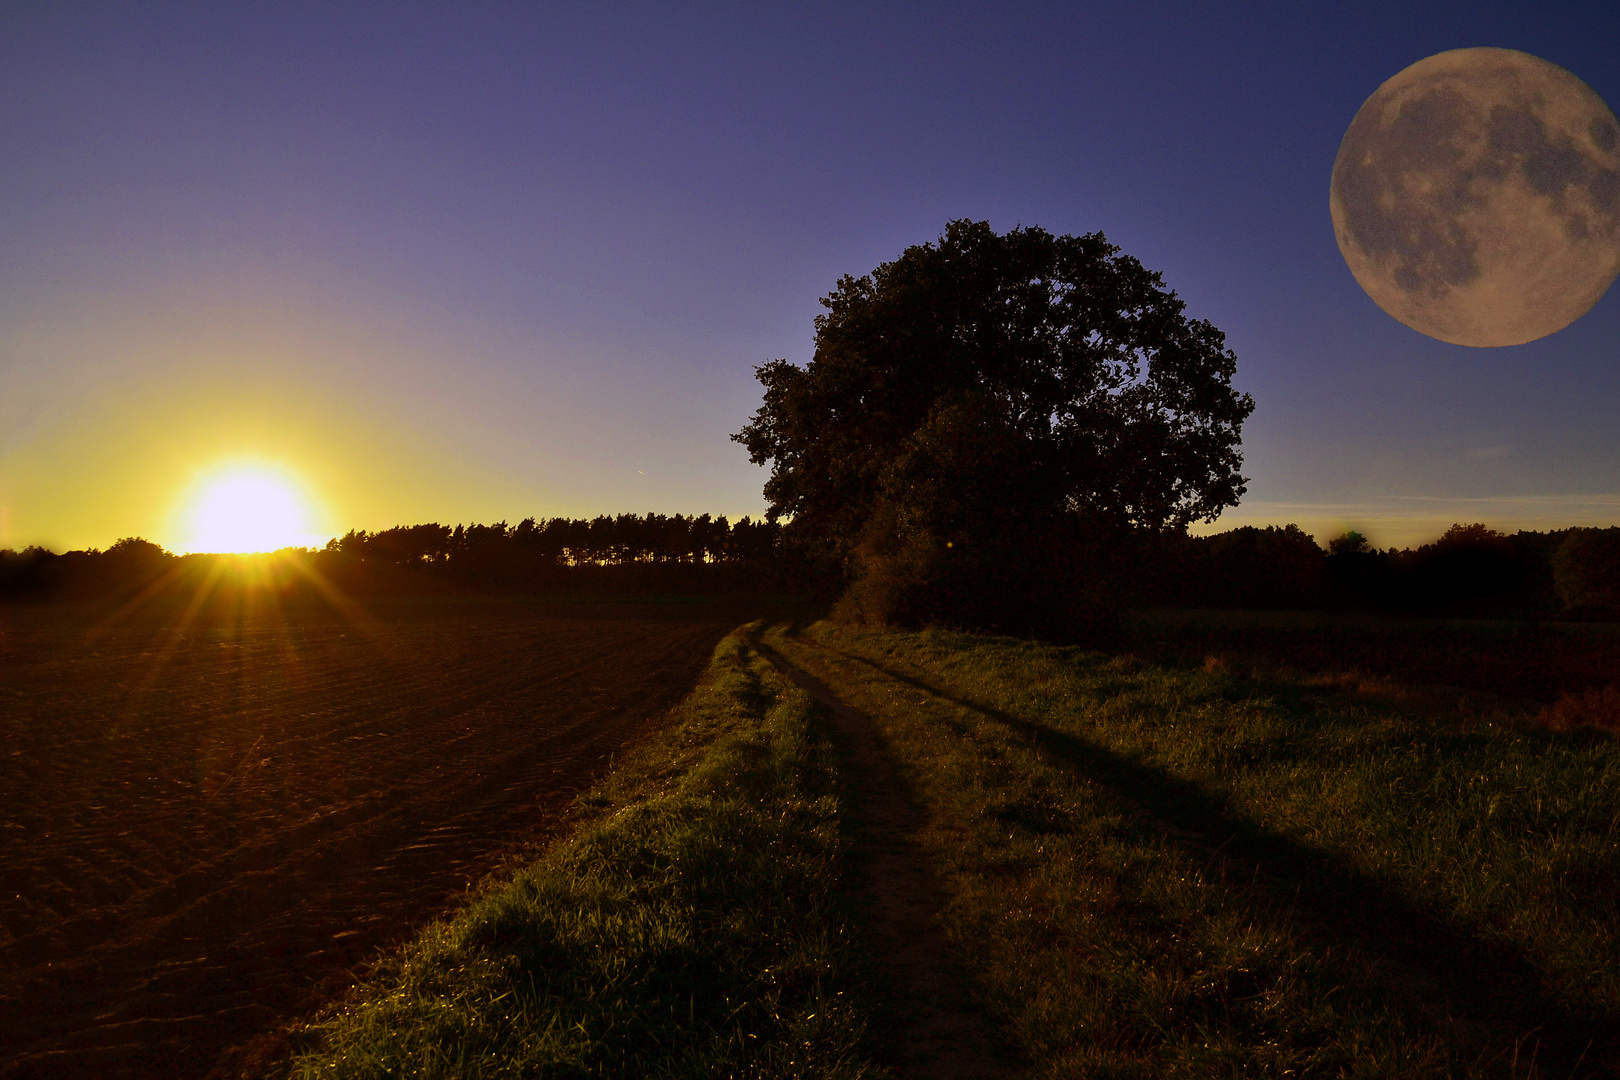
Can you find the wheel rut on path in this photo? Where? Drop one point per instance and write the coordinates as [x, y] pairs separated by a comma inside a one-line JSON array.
[[935, 1031]]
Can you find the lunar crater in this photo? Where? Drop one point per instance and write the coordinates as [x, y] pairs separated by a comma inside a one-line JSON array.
[[1476, 197]]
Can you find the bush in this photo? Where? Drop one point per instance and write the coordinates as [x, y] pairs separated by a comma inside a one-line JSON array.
[[1586, 572]]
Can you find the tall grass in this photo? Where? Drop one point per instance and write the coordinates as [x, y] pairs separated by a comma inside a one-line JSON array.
[[692, 927], [1162, 872]]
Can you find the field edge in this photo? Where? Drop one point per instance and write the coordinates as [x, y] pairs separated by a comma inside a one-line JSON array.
[[689, 921]]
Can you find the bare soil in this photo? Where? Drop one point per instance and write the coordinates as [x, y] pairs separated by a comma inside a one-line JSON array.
[[210, 820]]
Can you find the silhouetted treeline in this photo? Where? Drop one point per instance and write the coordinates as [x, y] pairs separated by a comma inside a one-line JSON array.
[[600, 541], [129, 564], [626, 553], [1470, 571]]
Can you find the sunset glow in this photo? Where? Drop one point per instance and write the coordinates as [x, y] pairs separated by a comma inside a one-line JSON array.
[[247, 508]]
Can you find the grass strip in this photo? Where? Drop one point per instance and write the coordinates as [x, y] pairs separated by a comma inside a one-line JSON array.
[[692, 926], [1164, 872]]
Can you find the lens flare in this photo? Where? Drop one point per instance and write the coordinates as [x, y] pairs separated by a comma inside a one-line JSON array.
[[248, 508]]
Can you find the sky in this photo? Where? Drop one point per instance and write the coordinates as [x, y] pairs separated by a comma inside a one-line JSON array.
[[473, 262]]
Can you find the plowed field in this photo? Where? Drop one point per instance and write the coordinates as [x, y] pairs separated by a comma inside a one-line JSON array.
[[206, 824]]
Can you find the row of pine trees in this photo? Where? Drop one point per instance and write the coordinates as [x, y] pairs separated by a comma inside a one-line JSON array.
[[598, 541]]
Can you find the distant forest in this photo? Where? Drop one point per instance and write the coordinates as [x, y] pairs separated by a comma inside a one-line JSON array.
[[1471, 571], [626, 553]]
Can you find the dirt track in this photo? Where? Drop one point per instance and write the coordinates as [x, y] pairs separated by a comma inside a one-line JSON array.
[[205, 827], [935, 1032]]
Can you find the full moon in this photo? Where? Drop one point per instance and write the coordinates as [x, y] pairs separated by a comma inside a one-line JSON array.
[[1476, 197]]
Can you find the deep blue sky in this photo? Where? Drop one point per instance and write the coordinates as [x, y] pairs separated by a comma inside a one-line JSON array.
[[457, 262]]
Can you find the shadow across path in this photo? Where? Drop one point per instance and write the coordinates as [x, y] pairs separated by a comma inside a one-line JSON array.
[[1433, 965], [932, 1030]]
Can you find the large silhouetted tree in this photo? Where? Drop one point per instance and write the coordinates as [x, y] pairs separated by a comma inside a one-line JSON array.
[[986, 418]]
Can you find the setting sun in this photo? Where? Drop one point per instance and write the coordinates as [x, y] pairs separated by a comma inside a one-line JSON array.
[[246, 508]]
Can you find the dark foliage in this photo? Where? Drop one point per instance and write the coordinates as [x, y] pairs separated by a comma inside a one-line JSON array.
[[627, 553], [1526, 651], [127, 566], [1274, 567], [1586, 572], [29, 572], [990, 425], [1470, 572]]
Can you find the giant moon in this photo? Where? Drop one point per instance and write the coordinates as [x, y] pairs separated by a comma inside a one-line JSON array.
[[1476, 197]]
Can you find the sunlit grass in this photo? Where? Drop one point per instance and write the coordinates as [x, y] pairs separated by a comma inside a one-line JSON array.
[[1150, 870], [1161, 872], [694, 925]]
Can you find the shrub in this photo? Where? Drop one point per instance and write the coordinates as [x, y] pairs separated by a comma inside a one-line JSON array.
[[1586, 571]]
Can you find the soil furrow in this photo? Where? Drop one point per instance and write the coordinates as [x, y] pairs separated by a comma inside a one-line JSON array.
[[269, 813]]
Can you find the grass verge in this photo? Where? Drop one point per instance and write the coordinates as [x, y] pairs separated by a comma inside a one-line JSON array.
[[692, 926], [1163, 872]]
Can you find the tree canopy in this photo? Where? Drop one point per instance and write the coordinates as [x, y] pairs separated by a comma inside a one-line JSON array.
[[980, 399]]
